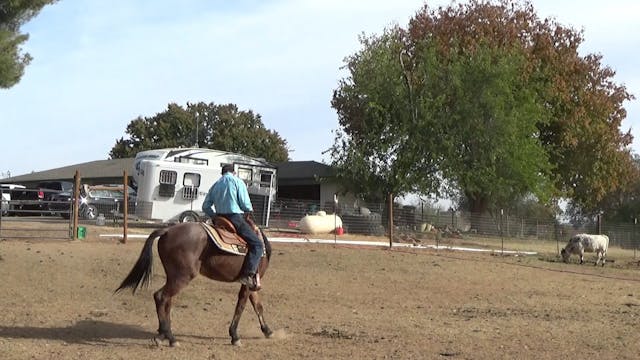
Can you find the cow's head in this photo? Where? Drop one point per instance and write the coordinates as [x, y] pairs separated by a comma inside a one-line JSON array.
[[565, 255]]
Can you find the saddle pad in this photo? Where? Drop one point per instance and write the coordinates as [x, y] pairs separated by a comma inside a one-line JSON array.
[[225, 240]]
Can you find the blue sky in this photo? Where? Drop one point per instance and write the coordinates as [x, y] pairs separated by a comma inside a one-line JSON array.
[[99, 64]]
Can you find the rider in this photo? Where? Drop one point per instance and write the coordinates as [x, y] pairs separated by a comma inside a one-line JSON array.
[[230, 198]]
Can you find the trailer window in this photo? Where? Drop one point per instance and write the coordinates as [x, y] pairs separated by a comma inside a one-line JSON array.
[[167, 183], [191, 160], [265, 179], [190, 185], [246, 175], [168, 177]]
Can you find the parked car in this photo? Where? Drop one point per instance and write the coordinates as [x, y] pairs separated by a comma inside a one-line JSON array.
[[6, 208], [55, 186], [60, 204], [26, 201], [37, 200], [94, 200], [105, 199]]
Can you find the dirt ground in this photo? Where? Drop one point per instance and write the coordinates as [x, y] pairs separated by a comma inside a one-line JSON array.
[[323, 302]]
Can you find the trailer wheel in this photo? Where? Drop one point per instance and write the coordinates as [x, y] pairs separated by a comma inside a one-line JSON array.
[[189, 216]]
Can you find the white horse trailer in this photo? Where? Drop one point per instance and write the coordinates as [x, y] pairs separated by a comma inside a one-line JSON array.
[[172, 183]]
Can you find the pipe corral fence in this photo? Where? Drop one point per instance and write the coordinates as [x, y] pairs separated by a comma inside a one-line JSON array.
[[40, 213], [61, 219]]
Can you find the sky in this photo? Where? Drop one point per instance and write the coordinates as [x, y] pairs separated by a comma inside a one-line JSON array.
[[100, 64]]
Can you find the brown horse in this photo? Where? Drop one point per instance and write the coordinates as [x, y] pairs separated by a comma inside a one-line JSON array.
[[185, 251]]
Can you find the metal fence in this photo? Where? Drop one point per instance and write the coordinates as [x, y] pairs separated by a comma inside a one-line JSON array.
[[31, 214], [53, 214], [373, 219], [416, 221]]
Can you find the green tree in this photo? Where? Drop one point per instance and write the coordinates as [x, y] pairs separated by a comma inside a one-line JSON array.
[[14, 14], [220, 127], [374, 151], [490, 147], [583, 141], [497, 104]]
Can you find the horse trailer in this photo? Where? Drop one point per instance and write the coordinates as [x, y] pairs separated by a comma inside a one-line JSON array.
[[172, 183]]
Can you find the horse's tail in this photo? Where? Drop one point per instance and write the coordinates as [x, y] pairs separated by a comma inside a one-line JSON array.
[[140, 274]]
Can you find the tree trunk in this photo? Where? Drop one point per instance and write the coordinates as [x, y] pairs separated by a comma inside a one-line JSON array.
[[478, 206]]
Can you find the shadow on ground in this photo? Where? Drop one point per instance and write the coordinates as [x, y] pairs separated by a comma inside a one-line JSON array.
[[82, 332]]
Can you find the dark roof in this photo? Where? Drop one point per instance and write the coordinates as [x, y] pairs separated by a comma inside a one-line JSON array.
[[304, 170], [113, 168], [93, 169]]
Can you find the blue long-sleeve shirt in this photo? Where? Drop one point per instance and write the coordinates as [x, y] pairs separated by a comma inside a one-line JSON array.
[[228, 195]]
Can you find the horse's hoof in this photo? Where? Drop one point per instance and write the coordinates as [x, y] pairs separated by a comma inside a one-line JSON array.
[[160, 339], [266, 331], [236, 342]]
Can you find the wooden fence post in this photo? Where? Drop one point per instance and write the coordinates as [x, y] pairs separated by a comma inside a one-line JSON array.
[[390, 220], [75, 207], [125, 211]]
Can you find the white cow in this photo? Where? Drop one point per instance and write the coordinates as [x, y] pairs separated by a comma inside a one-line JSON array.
[[581, 243]]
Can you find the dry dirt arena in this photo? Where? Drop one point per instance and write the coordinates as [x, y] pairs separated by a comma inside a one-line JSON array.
[[323, 302]]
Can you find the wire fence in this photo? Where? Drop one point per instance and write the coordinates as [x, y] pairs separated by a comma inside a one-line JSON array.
[[421, 221], [409, 222]]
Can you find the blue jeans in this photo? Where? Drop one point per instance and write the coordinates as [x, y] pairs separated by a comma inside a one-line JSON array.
[[256, 247]]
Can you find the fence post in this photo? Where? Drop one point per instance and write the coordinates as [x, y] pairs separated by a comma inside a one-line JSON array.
[[501, 232], [75, 207], [635, 243], [335, 218], [506, 224], [1, 204], [390, 220], [125, 211]]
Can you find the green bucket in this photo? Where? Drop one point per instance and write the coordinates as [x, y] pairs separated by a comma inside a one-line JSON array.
[[82, 232]]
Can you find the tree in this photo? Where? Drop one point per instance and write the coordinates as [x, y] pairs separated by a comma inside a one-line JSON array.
[[623, 205], [583, 141], [372, 151], [14, 14], [487, 99], [220, 127], [491, 149]]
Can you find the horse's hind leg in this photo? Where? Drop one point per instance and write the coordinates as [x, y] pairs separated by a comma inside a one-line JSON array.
[[163, 308], [243, 295], [163, 298], [257, 307]]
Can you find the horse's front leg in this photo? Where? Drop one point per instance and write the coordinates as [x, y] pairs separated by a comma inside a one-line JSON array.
[[243, 295], [257, 307]]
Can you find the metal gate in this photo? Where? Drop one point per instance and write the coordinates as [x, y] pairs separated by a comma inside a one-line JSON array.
[[25, 214]]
